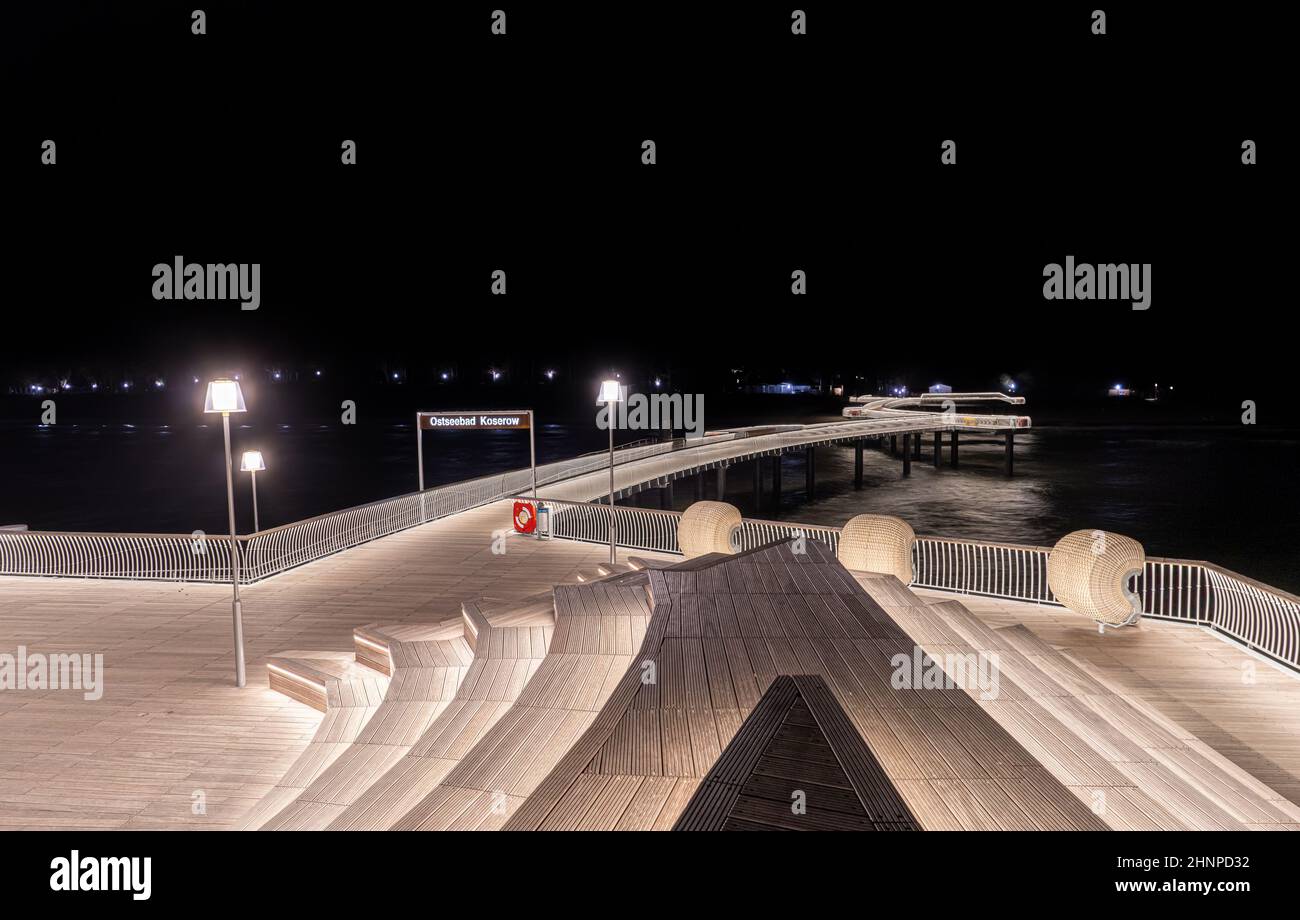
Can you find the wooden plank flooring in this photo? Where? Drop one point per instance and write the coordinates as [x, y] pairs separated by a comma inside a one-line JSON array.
[[1245, 709], [598, 629], [504, 659], [172, 743], [796, 764], [172, 732], [1095, 742], [676, 709]]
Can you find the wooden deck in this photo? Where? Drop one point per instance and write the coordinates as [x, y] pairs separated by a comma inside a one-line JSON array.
[[1241, 706], [719, 637], [172, 733], [173, 744], [798, 742]]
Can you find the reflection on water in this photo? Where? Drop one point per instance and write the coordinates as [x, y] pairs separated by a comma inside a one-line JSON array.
[[1204, 494]]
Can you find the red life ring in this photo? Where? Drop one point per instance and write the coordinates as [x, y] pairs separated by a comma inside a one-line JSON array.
[[525, 517]]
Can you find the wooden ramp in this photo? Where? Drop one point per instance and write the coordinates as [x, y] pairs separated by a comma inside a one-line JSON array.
[[722, 632], [1135, 768], [1185, 759], [797, 764]]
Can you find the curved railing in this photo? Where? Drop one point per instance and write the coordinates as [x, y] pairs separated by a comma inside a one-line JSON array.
[[207, 558], [1250, 612], [173, 557], [1258, 616]]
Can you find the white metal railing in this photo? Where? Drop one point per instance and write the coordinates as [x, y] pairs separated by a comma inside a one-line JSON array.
[[656, 531], [1258, 616], [1250, 612], [635, 528], [97, 555], [990, 569], [753, 534], [177, 557]]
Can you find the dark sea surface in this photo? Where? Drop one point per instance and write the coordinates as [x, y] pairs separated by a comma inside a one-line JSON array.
[[1212, 493]]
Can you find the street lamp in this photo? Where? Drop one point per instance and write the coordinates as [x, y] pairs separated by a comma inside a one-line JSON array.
[[253, 463], [611, 393], [224, 396]]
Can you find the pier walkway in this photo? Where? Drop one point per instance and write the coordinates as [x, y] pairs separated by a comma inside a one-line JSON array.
[[171, 733], [173, 744], [1204, 719]]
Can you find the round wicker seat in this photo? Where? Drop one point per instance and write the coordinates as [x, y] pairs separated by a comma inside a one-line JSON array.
[[706, 527], [1089, 572], [878, 543]]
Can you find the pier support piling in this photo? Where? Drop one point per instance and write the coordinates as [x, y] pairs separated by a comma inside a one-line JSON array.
[[893, 445], [810, 473], [907, 455], [699, 485], [776, 481], [1011, 449], [952, 459], [938, 448], [916, 446], [722, 482], [857, 465]]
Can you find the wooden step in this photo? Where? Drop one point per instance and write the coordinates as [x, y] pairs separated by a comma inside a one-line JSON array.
[[325, 679], [505, 659], [374, 642], [426, 664]]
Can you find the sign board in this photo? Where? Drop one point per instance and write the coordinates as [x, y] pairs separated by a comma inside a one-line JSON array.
[[476, 420], [471, 421]]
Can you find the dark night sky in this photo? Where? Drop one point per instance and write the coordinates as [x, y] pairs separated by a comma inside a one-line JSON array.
[[523, 153]]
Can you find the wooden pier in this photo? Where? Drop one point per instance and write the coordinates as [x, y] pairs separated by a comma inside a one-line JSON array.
[[173, 744]]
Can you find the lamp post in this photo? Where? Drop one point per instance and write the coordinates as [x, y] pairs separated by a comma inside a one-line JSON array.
[[224, 396], [610, 394], [252, 463]]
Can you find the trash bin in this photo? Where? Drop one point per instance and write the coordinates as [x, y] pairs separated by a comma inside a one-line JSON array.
[[543, 522]]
